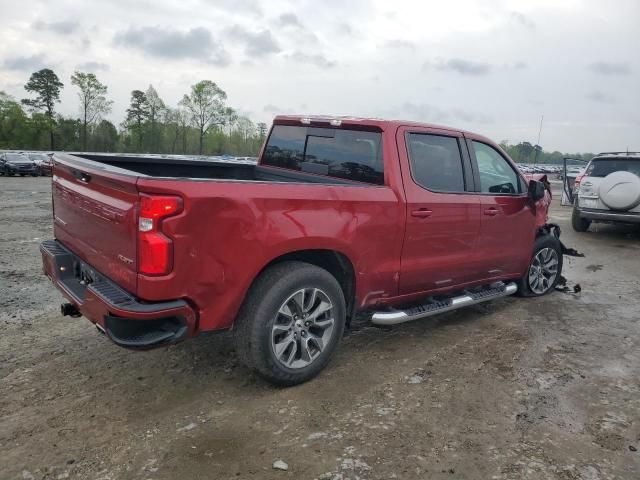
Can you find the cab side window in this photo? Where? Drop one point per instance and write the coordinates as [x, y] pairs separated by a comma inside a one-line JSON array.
[[496, 174], [436, 162]]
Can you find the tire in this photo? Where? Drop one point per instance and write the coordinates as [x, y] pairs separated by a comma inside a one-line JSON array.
[[578, 223], [545, 260], [268, 322]]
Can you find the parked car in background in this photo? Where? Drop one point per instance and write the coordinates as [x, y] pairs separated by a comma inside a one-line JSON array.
[[43, 162], [399, 220], [608, 190], [17, 164], [45, 168]]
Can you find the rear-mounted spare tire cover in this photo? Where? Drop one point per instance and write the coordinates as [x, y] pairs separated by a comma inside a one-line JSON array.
[[620, 190]]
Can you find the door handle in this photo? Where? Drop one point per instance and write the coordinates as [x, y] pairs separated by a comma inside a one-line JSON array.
[[492, 212], [421, 213]]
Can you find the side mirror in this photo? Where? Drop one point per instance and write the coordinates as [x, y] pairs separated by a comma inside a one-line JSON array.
[[536, 190]]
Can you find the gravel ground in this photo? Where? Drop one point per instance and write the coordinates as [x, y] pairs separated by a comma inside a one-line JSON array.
[[513, 389]]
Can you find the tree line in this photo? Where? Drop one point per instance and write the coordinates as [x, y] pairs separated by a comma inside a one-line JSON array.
[[201, 123], [525, 152]]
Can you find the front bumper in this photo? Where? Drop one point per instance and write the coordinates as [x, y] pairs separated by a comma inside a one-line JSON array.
[[127, 321], [22, 170], [608, 216]]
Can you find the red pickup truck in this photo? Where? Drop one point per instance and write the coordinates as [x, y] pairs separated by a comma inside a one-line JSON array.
[[340, 216]]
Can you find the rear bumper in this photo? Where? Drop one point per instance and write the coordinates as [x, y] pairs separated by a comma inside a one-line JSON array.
[[608, 216], [127, 321]]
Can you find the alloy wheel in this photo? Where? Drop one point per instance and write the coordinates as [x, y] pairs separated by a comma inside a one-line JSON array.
[[543, 270], [303, 327]]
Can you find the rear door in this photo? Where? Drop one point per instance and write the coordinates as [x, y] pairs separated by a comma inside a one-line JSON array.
[[95, 216], [443, 213], [508, 227]]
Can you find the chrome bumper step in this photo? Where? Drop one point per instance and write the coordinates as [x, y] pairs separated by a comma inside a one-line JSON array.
[[434, 307]]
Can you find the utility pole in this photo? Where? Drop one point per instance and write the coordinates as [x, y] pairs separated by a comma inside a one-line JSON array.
[[535, 158]]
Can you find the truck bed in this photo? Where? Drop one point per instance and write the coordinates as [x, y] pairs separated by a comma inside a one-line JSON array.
[[183, 167]]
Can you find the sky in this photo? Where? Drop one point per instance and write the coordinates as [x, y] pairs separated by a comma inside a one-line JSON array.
[[495, 67]]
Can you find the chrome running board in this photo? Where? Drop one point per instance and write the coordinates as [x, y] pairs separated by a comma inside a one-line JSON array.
[[434, 307]]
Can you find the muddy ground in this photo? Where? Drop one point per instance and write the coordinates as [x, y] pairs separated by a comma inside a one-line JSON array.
[[514, 389]]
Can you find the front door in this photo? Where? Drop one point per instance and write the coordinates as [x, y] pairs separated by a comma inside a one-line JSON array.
[[443, 213], [507, 229]]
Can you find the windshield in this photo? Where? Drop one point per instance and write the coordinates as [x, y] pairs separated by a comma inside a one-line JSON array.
[[602, 167], [38, 156], [16, 157]]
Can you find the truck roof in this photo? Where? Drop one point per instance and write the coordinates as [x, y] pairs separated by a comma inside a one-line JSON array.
[[375, 123]]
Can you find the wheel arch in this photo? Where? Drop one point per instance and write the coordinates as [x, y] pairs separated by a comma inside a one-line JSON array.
[[336, 263]]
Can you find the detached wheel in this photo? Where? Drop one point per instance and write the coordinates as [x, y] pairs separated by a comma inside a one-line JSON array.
[[544, 269], [578, 223], [290, 323]]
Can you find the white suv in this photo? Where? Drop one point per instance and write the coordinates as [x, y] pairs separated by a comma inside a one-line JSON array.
[[608, 191]]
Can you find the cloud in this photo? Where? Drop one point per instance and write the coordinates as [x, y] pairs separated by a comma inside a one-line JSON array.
[[399, 44], [316, 59], [430, 113], [610, 68], [250, 8], [346, 30], [64, 27], [289, 20], [294, 27], [195, 43], [93, 67], [600, 97], [257, 44], [458, 65], [523, 20], [276, 110], [518, 65], [32, 62]]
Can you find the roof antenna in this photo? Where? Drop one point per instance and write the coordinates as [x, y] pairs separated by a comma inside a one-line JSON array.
[[538, 143]]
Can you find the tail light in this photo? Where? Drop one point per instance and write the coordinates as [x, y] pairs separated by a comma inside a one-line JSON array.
[[155, 250]]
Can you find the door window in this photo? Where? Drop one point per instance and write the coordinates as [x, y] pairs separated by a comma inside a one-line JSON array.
[[496, 174], [436, 162]]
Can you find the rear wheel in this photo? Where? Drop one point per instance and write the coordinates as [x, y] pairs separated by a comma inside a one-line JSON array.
[[290, 323], [544, 269], [578, 223]]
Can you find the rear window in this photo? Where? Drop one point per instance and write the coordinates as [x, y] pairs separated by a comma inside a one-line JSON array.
[[604, 166], [348, 154]]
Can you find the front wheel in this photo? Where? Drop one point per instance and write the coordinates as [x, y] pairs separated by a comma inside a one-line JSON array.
[[545, 267], [290, 323]]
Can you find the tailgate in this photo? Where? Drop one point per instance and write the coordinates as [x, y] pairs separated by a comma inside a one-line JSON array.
[[95, 216]]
